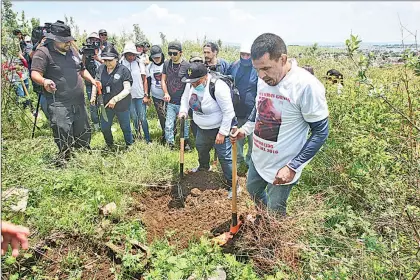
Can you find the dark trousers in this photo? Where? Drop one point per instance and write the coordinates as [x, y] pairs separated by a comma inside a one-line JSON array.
[[160, 107], [123, 119], [70, 127]]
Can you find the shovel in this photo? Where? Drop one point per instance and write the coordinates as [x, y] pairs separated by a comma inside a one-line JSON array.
[[181, 161], [101, 101], [236, 224]]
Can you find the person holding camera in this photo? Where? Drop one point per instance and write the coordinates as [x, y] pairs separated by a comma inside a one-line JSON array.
[[58, 68], [116, 81], [211, 50], [139, 100], [103, 35], [92, 61]]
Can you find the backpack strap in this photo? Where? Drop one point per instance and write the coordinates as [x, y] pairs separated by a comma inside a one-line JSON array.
[[212, 87]]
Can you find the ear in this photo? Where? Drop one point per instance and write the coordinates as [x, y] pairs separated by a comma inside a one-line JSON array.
[[283, 59]]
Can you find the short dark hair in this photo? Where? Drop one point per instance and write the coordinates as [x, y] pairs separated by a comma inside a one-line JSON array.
[[268, 43], [309, 69], [214, 47], [335, 76]]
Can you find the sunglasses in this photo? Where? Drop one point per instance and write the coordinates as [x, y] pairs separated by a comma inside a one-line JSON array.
[[197, 61], [173, 53], [103, 34]]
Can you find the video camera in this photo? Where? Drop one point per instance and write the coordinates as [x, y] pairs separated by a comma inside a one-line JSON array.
[[212, 67], [89, 51], [39, 32]]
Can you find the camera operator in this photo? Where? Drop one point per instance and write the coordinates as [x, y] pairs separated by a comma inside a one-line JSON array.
[[58, 68], [20, 37], [91, 60]]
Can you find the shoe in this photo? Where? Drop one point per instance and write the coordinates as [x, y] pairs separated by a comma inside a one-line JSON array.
[[187, 147], [171, 146], [162, 140], [238, 191], [196, 169]]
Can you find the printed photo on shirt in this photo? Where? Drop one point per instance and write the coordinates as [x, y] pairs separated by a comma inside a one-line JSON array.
[[158, 78], [268, 120], [195, 103]]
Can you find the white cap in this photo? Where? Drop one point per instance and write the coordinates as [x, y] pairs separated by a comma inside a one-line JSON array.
[[245, 48], [27, 38], [130, 47]]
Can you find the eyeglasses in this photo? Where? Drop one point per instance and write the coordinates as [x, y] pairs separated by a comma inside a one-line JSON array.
[[173, 53], [103, 34], [197, 61]]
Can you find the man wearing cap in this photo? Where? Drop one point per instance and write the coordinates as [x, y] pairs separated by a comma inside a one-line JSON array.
[[59, 70], [212, 116], [139, 99], [144, 55], [103, 35], [290, 102], [153, 86], [91, 64], [194, 57], [173, 88], [245, 78], [211, 50]]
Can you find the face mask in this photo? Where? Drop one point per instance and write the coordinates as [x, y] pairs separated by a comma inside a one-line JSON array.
[[200, 88], [246, 62]]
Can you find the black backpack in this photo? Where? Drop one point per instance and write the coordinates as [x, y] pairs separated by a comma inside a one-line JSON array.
[[234, 92]]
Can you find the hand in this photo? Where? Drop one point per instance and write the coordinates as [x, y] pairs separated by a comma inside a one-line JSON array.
[[92, 100], [284, 175], [20, 55], [220, 139], [146, 100], [182, 115], [167, 97], [49, 86], [239, 134], [111, 104], [13, 235]]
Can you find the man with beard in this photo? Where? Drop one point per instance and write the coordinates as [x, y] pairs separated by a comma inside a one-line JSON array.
[[211, 50], [59, 70]]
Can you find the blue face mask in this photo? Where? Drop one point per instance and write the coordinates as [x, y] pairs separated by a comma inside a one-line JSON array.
[[246, 62], [200, 88]]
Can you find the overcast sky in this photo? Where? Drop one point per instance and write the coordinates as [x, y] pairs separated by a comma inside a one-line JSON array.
[[235, 22]]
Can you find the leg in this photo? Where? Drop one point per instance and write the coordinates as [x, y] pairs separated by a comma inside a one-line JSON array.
[[134, 115], [81, 128], [169, 125], [160, 107], [204, 142], [106, 126], [124, 120], [44, 106], [142, 108], [224, 154], [61, 125], [277, 197], [193, 128], [256, 185]]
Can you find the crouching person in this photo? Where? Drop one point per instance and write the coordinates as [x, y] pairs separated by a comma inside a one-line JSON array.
[[116, 83], [213, 117]]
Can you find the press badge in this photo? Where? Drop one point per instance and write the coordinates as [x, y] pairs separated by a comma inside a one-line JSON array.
[[108, 89]]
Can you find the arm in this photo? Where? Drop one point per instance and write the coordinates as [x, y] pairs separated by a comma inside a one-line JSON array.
[[86, 75], [184, 99], [319, 134], [222, 94], [148, 85]]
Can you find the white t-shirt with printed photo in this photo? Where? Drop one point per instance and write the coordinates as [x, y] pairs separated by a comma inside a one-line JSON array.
[[155, 73], [281, 125], [137, 69]]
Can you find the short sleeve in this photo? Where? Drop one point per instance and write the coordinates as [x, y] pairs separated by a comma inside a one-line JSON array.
[[127, 75], [142, 68], [313, 102], [39, 61], [165, 66]]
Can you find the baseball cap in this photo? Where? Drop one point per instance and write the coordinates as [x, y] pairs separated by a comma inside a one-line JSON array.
[[155, 51], [175, 46], [196, 56], [195, 71], [101, 31], [109, 53]]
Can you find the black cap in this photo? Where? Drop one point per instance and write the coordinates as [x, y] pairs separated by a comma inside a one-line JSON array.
[[102, 31], [334, 73], [109, 53], [175, 46], [60, 32], [195, 71], [155, 51]]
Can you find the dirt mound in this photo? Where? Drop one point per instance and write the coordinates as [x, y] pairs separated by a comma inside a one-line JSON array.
[[207, 210]]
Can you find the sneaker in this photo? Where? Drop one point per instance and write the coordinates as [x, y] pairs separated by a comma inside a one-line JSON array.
[[187, 146], [196, 169], [238, 191], [171, 146]]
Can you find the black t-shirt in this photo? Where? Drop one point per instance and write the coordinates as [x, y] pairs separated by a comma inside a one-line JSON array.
[[174, 73], [115, 82], [64, 71]]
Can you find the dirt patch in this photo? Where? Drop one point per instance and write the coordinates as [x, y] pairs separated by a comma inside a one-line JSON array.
[[206, 211], [62, 256]]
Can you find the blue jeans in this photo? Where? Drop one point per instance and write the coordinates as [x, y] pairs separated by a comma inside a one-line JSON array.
[[21, 93], [44, 105], [123, 119], [272, 196], [138, 115], [241, 143], [93, 108], [172, 112], [205, 141]]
